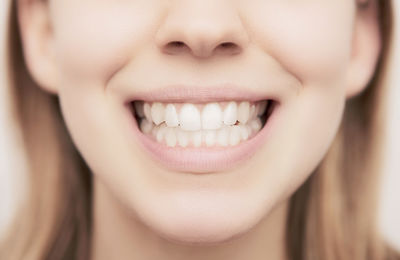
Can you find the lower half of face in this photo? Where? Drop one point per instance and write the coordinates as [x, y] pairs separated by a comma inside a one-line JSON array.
[[198, 142]]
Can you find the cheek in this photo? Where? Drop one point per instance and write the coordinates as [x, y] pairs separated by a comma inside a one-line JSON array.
[[93, 40], [311, 39]]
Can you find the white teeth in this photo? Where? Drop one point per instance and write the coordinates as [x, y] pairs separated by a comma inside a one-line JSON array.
[[170, 137], [196, 137], [230, 114], [249, 129], [157, 113], [154, 130], [171, 117], [210, 138], [222, 137], [262, 106], [211, 117], [183, 138], [252, 113], [189, 118], [146, 126], [189, 125], [147, 111], [244, 132], [234, 135], [256, 125], [225, 136], [243, 112], [161, 133]]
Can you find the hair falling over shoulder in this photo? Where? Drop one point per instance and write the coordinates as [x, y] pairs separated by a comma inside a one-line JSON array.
[[332, 216]]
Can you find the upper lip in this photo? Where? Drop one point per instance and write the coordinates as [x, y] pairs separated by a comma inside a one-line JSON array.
[[201, 94]]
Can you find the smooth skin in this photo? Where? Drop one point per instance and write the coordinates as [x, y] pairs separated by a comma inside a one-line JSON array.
[[92, 54]]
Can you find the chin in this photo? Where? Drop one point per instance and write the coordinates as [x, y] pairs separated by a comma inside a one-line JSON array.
[[202, 232], [201, 220]]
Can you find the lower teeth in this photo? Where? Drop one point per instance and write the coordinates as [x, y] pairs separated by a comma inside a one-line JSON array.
[[225, 136]]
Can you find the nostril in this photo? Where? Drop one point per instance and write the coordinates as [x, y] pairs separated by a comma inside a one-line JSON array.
[[176, 44], [175, 47], [228, 47]]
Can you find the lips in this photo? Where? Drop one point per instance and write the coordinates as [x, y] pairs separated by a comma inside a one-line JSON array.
[[210, 133]]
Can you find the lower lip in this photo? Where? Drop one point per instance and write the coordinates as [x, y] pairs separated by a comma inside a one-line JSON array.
[[204, 159]]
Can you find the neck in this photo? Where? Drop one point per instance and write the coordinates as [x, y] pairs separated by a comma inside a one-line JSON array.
[[117, 234]]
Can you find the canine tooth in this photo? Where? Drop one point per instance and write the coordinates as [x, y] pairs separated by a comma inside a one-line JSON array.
[[183, 138], [230, 114], [222, 136], [196, 138], [171, 117], [147, 111], [262, 106], [139, 108], [161, 133], [243, 112], [244, 133], [157, 113], [146, 126], [210, 137], [234, 135], [170, 137], [189, 118], [211, 116]]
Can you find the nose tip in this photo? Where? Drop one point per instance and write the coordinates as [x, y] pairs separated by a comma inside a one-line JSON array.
[[201, 34]]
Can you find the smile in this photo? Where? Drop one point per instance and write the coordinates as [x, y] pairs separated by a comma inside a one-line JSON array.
[[195, 125], [203, 135]]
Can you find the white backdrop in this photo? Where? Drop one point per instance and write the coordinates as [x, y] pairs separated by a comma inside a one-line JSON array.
[[11, 167]]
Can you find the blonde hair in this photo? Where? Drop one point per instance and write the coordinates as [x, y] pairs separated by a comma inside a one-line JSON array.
[[333, 215]]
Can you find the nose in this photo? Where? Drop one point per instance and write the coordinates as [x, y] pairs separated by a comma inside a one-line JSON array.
[[202, 28]]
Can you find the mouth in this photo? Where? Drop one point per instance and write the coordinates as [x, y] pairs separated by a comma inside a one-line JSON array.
[[205, 136], [215, 124]]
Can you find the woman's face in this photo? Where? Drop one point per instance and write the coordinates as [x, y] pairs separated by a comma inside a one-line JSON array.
[[205, 165]]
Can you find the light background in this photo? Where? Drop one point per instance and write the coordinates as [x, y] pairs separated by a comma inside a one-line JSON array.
[[11, 167]]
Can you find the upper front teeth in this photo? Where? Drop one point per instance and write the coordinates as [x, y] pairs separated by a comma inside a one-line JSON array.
[[243, 112], [211, 116], [230, 114], [189, 118], [157, 113], [171, 117]]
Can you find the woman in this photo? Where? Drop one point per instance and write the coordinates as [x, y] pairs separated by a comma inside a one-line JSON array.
[[199, 129]]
